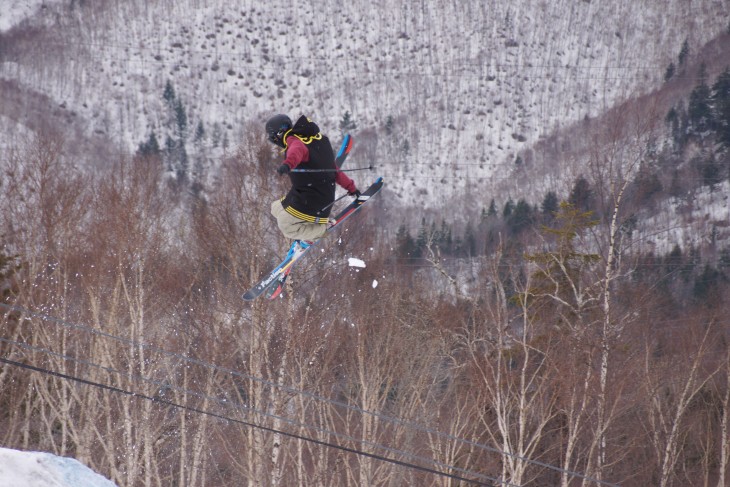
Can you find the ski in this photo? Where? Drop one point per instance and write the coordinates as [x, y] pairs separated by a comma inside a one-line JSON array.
[[272, 279], [344, 150], [276, 287], [273, 282]]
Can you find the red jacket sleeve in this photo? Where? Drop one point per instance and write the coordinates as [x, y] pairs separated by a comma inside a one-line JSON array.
[[343, 180], [296, 152]]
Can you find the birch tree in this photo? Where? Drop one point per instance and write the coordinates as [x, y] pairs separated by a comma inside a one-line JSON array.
[[671, 390]]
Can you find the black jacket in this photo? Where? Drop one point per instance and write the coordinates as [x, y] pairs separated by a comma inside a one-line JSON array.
[[311, 192]]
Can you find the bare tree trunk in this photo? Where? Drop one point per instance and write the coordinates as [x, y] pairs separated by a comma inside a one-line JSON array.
[[610, 329], [725, 427], [576, 417], [668, 410]]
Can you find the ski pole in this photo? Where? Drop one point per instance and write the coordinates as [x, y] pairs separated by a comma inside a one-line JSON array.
[[335, 201], [334, 170]]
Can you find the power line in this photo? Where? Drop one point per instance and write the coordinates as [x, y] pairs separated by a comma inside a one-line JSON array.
[[295, 391], [221, 417], [227, 403]]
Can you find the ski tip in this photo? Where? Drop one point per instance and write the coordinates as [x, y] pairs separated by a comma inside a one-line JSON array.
[[345, 148], [253, 293], [348, 143], [276, 293]]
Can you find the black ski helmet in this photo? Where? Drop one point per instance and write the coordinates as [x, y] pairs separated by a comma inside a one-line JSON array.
[[276, 127]]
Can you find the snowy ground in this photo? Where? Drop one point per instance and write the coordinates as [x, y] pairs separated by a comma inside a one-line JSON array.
[[36, 469], [12, 12]]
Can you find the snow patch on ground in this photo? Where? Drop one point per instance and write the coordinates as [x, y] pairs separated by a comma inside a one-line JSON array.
[[37, 469]]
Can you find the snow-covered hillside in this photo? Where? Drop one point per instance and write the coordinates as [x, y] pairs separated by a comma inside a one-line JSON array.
[[36, 469], [13, 13], [461, 86]]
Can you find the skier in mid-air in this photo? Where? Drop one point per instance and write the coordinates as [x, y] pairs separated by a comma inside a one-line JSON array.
[[303, 214]]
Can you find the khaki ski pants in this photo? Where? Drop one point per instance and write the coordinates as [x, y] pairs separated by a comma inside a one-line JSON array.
[[294, 228]]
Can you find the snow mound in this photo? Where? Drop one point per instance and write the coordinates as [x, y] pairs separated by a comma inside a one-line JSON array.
[[37, 469]]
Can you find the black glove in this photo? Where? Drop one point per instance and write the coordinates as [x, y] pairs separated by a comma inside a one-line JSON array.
[[355, 193], [283, 169]]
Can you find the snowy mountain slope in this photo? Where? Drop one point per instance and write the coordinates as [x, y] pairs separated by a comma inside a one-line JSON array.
[[467, 84], [635, 134], [36, 469], [13, 13]]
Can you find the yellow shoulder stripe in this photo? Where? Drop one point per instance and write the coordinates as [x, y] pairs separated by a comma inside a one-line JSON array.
[[308, 140]]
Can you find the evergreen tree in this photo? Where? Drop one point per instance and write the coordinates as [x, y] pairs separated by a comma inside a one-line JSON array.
[[706, 286], [170, 146], [444, 237], [421, 239], [150, 147], [181, 119], [647, 184], [405, 245], [581, 195], [700, 114], [628, 227], [521, 217], [678, 122], [176, 128], [225, 142], [677, 186], [669, 72], [389, 125], [550, 204], [710, 170], [699, 111], [182, 168], [199, 132], [469, 242], [508, 207], [347, 124], [405, 147], [676, 265], [562, 267], [492, 211], [684, 52], [169, 94], [721, 107], [672, 119], [724, 261]]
